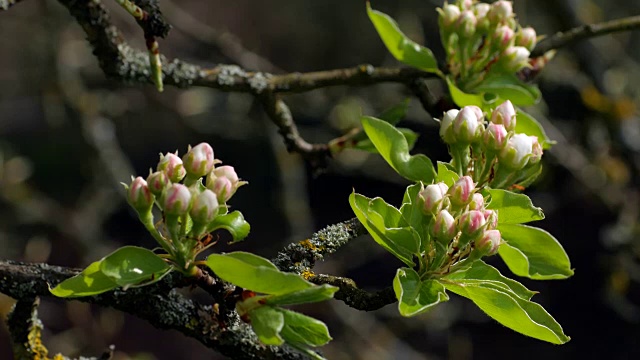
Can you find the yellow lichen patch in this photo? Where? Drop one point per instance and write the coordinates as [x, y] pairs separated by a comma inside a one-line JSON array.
[[307, 274], [308, 244]]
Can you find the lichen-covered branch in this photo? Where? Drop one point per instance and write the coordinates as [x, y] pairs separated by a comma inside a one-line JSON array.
[[355, 297], [565, 38], [158, 304]]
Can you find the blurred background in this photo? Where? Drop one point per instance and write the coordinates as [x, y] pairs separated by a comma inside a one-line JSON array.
[[68, 136]]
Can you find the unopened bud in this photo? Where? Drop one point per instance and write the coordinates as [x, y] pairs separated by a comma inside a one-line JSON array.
[[449, 14], [172, 165], [495, 137], [158, 181], [444, 227], [526, 38], [482, 21], [472, 223], [225, 171], [504, 37], [500, 11], [461, 191], [176, 200], [515, 58], [446, 126], [517, 152], [491, 217], [205, 207], [139, 195], [432, 196], [505, 114], [489, 243], [223, 188], [467, 126], [467, 23], [536, 150], [199, 160], [477, 202]]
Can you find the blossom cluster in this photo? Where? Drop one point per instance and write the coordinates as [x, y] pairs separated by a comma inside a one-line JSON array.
[[459, 220], [481, 39], [501, 157], [176, 187]]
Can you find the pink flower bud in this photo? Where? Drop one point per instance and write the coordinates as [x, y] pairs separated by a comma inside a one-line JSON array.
[[491, 218], [446, 126], [176, 200], [172, 165], [226, 171], [504, 36], [489, 243], [517, 152], [433, 196], [158, 181], [465, 4], [444, 227], [449, 14], [462, 191], [467, 126], [500, 11], [139, 195], [495, 136], [505, 114], [515, 58], [205, 207], [526, 38], [481, 10], [223, 189], [536, 150], [477, 202], [472, 223], [467, 23], [199, 160]]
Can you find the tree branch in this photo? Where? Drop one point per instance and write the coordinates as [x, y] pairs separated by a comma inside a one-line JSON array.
[[157, 304], [565, 38]]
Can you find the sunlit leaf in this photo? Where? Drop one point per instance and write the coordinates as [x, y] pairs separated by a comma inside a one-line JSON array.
[[91, 281], [416, 296], [513, 208]]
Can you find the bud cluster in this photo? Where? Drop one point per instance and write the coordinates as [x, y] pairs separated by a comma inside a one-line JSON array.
[[177, 188], [482, 38], [459, 220], [501, 156]]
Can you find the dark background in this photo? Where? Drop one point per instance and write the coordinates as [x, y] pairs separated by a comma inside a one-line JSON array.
[[68, 136]]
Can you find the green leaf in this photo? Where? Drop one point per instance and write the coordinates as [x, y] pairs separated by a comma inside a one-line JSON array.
[[247, 272], [91, 281], [533, 253], [481, 271], [401, 47], [412, 214], [267, 323], [394, 114], [234, 223], [446, 174], [526, 124], [252, 259], [523, 316], [463, 99], [131, 265], [513, 208], [416, 296], [366, 145], [401, 242], [509, 87], [393, 147], [303, 330], [309, 295]]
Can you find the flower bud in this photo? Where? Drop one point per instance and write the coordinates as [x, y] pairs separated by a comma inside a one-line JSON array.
[[199, 160], [536, 150], [517, 152], [472, 223], [139, 195], [467, 126], [465, 4], [526, 38], [504, 37], [462, 191], [433, 195], [467, 24], [444, 227], [500, 11], [449, 14], [481, 10], [495, 137], [515, 58], [491, 217], [205, 207], [505, 114], [172, 165], [225, 171], [223, 188], [489, 243], [477, 202], [446, 126], [176, 200], [158, 181]]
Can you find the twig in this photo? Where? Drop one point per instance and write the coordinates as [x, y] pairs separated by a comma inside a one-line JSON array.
[[355, 297], [562, 39]]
